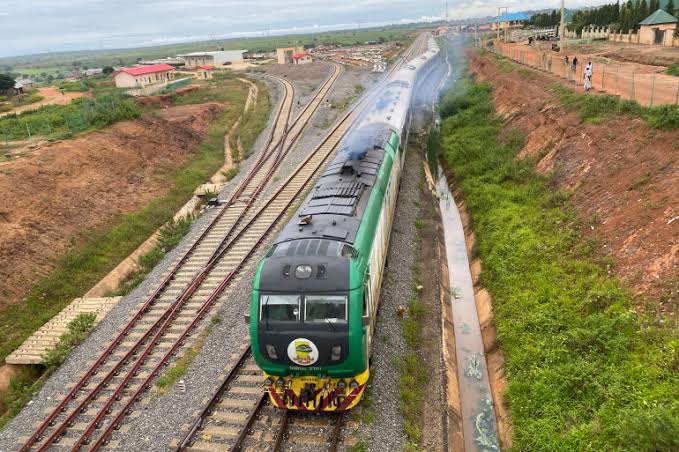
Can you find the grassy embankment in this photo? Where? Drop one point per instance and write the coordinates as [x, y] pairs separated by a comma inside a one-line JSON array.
[[584, 371], [96, 253]]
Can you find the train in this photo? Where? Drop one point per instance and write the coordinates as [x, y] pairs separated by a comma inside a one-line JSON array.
[[315, 293]]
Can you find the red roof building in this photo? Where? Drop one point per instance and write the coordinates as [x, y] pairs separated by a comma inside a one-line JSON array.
[[301, 58], [143, 76]]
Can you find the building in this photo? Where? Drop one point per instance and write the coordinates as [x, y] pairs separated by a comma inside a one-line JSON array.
[[176, 61], [658, 29], [509, 21], [153, 76], [93, 72], [26, 83], [284, 54], [217, 58], [441, 31], [205, 72], [301, 58]]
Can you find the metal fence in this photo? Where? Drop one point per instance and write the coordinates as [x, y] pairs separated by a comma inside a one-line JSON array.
[[647, 89]]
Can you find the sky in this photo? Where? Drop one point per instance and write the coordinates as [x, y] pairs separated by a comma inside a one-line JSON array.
[[38, 26]]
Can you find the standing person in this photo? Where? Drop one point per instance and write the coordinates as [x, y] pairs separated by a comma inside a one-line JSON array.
[[589, 71], [575, 64]]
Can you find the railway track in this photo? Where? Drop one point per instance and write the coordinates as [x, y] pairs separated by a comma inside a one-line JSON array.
[[98, 403], [238, 416]]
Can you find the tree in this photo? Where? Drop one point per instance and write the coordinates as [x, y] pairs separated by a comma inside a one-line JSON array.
[[6, 82], [670, 7], [107, 70]]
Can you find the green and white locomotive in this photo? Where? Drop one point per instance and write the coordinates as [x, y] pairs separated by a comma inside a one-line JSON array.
[[316, 292]]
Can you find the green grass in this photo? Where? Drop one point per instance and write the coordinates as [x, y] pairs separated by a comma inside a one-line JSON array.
[[30, 380], [169, 236], [98, 252], [598, 109], [80, 115], [28, 98], [75, 87], [673, 69], [584, 371], [165, 382]]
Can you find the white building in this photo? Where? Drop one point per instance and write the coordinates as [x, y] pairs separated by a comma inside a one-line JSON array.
[[217, 58]]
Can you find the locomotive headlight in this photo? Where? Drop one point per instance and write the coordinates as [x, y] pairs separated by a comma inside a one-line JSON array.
[[341, 384], [303, 271], [271, 351], [280, 382], [336, 353], [268, 382], [353, 384]]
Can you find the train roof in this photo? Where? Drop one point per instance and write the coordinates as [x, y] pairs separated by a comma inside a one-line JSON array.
[[337, 201]]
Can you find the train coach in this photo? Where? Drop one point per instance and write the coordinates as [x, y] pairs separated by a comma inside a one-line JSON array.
[[315, 294]]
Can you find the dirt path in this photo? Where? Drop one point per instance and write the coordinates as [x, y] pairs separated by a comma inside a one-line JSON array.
[[624, 177], [52, 96]]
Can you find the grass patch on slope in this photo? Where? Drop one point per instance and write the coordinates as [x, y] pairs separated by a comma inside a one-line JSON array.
[[29, 382], [100, 251], [584, 371], [597, 109]]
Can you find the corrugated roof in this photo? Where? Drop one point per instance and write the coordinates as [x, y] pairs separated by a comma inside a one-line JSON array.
[[659, 17], [141, 70], [511, 17], [299, 55]]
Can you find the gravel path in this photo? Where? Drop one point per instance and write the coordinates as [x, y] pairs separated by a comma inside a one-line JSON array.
[[158, 419]]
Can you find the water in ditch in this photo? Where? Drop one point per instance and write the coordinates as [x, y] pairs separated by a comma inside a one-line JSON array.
[[478, 423]]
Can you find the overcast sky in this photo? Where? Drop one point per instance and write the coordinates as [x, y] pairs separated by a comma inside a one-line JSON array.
[[37, 26]]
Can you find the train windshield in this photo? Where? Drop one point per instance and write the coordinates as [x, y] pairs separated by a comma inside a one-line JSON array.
[[325, 309], [279, 308]]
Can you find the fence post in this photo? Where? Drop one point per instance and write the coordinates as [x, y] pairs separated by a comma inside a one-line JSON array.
[[676, 99], [632, 93], [652, 90]]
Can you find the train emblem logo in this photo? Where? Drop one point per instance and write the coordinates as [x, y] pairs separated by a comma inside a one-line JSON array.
[[302, 352]]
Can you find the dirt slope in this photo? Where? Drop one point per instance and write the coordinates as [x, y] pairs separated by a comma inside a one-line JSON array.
[[624, 177], [71, 187]]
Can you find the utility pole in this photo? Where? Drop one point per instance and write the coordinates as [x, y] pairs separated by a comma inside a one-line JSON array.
[[499, 14], [562, 28], [445, 13]]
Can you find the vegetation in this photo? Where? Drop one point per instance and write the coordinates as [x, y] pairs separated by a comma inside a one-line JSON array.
[[624, 17], [75, 87], [179, 368], [596, 109], [584, 371], [673, 69], [27, 98], [97, 252], [6, 82], [62, 120], [30, 381], [169, 236]]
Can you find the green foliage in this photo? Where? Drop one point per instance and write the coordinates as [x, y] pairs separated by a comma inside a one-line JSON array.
[[673, 69], [21, 389], [543, 20], [596, 109], [75, 87], [77, 331], [6, 82], [169, 236], [584, 371], [178, 370], [107, 70], [414, 375], [82, 114]]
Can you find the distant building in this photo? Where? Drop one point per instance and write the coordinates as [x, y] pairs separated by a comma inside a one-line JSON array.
[[301, 58], [284, 54], [441, 31], [26, 83], [176, 61], [93, 72], [510, 21], [658, 29], [205, 72], [217, 58], [143, 76]]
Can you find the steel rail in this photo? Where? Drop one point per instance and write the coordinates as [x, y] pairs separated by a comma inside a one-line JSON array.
[[92, 370], [222, 249]]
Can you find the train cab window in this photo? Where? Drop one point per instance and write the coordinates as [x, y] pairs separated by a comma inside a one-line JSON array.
[[325, 309], [279, 308]]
